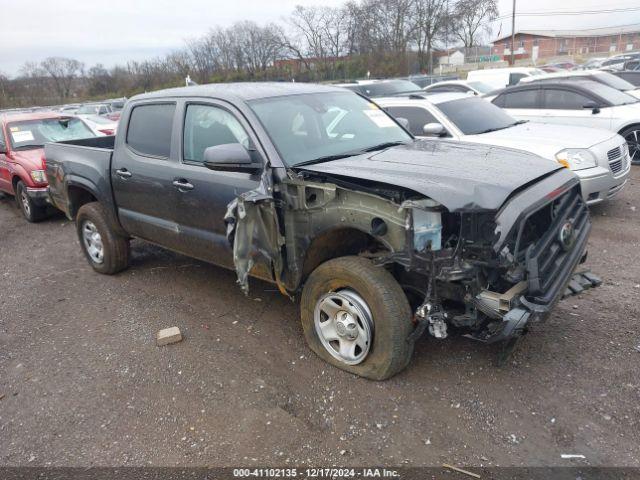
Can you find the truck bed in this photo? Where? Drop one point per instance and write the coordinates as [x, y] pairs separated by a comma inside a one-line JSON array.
[[84, 163]]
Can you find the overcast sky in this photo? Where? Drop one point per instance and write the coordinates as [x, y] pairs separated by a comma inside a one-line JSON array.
[[115, 31]]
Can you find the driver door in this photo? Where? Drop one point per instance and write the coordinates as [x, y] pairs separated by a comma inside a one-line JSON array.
[[5, 177], [205, 194]]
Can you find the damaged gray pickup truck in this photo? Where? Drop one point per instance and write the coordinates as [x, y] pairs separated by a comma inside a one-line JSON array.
[[319, 191]]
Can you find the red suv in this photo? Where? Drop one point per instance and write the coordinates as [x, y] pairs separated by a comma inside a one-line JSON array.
[[22, 164]]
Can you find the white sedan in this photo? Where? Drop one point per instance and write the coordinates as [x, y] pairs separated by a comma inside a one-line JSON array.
[[576, 102], [599, 158], [101, 126]]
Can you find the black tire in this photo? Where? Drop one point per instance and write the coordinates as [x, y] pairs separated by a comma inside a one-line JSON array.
[[391, 349], [32, 212], [115, 248], [632, 136]]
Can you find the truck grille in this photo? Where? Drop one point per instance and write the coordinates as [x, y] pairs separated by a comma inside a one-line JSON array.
[[549, 262], [617, 159]]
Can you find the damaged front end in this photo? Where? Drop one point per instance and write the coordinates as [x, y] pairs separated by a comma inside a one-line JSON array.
[[480, 273]]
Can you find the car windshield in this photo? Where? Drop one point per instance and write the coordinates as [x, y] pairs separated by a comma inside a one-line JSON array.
[[481, 87], [390, 88], [474, 115], [614, 82], [35, 133], [611, 95], [315, 127]]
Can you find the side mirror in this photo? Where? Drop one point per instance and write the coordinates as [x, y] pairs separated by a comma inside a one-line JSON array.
[[433, 130], [403, 121], [595, 108], [229, 157]]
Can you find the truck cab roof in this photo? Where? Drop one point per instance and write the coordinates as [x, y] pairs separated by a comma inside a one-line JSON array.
[[244, 91]]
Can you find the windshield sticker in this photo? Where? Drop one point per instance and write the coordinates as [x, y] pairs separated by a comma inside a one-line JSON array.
[[380, 118], [14, 129], [25, 136]]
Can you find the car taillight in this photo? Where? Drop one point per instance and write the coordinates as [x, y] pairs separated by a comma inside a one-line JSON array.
[[107, 131], [43, 159]]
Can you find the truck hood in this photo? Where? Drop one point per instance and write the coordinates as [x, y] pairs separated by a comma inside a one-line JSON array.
[[459, 175], [543, 139], [29, 159]]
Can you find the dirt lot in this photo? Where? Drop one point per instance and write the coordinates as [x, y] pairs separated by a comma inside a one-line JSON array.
[[82, 382]]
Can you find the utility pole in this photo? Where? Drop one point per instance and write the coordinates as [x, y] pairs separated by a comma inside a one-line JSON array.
[[513, 33]]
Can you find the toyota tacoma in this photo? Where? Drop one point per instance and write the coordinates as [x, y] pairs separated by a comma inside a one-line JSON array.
[[380, 236]]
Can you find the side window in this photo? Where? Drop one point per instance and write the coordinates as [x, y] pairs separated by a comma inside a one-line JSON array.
[[418, 117], [514, 78], [564, 99], [522, 99], [207, 126], [150, 128], [2, 141]]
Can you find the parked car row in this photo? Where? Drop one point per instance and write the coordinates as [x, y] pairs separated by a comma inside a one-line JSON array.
[[416, 211]]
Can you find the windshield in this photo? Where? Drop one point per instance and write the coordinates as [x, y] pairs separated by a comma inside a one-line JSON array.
[[308, 127], [474, 115], [613, 81], [390, 88], [611, 95], [35, 133], [481, 87]]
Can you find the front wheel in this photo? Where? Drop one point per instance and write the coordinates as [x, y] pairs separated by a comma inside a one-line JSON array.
[[632, 137], [106, 251], [356, 317], [32, 212]]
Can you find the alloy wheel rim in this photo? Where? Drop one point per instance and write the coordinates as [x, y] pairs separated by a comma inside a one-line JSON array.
[[344, 326], [93, 242], [633, 142]]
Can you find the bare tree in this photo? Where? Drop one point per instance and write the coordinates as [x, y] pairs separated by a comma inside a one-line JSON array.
[[98, 80], [63, 71], [472, 18], [431, 16]]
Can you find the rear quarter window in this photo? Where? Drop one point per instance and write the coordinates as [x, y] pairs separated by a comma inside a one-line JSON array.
[[522, 99], [150, 128]]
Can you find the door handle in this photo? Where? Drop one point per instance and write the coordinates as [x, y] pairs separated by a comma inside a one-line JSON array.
[[123, 173], [182, 185]]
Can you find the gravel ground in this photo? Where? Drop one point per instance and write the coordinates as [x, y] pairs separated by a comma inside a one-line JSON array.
[[83, 384]]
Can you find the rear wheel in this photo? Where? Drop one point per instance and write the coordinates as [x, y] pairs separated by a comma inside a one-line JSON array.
[[632, 136], [106, 251], [31, 211], [356, 317]]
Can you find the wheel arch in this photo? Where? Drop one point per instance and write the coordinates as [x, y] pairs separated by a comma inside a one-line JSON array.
[[338, 242]]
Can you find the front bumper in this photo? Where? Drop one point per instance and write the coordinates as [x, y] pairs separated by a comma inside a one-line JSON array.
[[39, 195], [599, 184], [607, 179]]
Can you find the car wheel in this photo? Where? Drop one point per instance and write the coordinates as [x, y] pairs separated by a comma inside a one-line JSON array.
[[32, 212], [632, 136], [106, 251], [356, 317]]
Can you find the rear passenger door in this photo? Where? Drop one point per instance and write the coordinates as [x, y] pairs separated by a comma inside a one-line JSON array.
[[201, 206], [142, 171], [566, 106]]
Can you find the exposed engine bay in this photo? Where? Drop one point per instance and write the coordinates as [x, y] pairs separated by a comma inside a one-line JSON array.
[[478, 272]]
